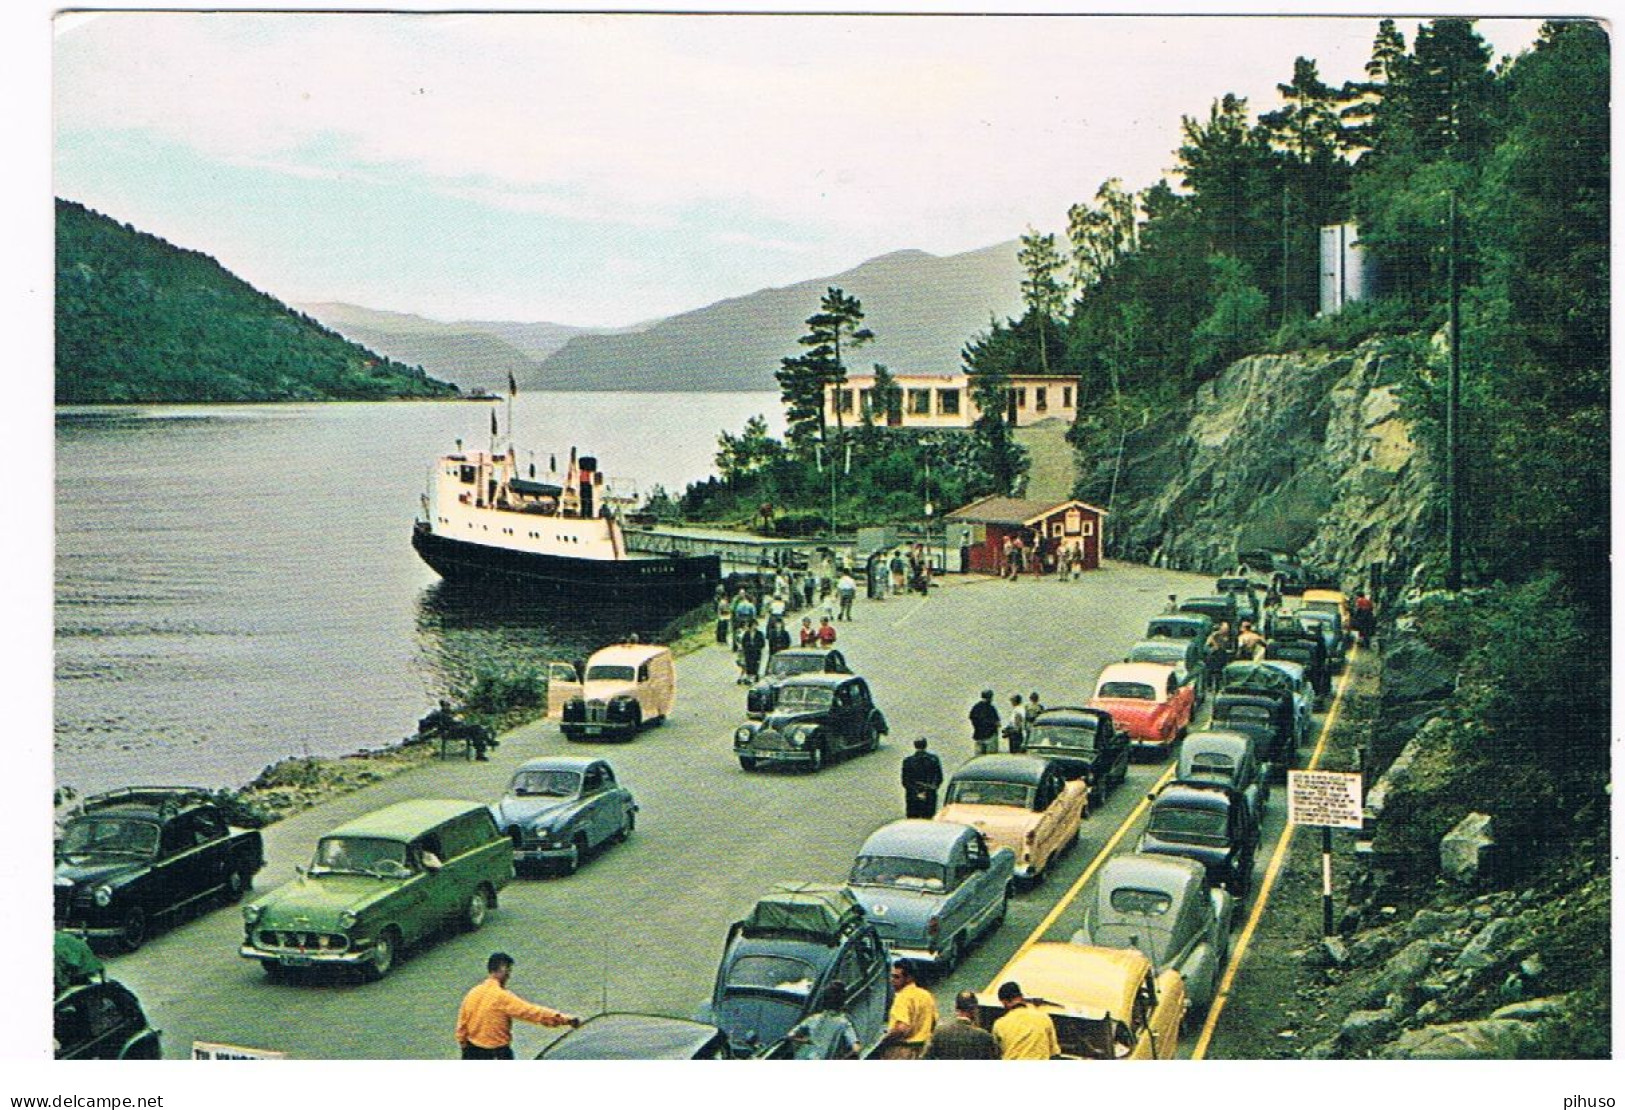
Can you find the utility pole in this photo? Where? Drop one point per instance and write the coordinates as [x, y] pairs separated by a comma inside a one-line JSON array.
[[1452, 434]]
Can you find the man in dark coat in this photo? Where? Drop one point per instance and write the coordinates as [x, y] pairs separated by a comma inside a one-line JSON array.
[[962, 1038], [751, 646], [922, 776], [984, 725]]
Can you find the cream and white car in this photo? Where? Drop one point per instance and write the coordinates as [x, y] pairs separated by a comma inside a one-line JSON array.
[[1020, 802], [625, 687]]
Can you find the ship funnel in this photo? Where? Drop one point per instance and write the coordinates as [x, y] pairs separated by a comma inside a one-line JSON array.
[[588, 467]]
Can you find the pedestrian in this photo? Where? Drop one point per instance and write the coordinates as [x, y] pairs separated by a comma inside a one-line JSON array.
[[1249, 644], [847, 589], [485, 1019], [751, 645], [898, 567], [724, 615], [1007, 558], [776, 608], [913, 1016], [826, 632], [828, 1034], [984, 725], [962, 1038], [1221, 648], [744, 610], [1034, 708], [778, 637], [1024, 1032], [1364, 617], [1015, 731], [875, 576], [1018, 558], [1173, 604], [922, 777], [809, 634]]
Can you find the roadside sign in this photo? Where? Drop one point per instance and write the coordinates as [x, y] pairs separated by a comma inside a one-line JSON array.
[[210, 1050], [1331, 799]]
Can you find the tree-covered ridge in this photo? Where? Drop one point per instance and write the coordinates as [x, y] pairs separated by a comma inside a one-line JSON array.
[[140, 320]]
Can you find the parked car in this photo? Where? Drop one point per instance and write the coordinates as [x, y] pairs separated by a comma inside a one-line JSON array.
[[639, 1037], [1081, 743], [1209, 823], [1106, 1003], [1249, 607], [1279, 566], [1269, 716], [760, 698], [932, 888], [1273, 677], [1332, 600], [1163, 907], [781, 955], [1194, 627], [1149, 701], [1020, 802], [560, 808], [380, 883], [101, 1019], [817, 718], [1332, 633], [1228, 758], [1216, 608], [128, 860], [1303, 694], [1308, 650], [1186, 656], [625, 687]]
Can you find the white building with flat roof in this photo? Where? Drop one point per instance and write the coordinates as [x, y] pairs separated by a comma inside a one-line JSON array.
[[944, 400]]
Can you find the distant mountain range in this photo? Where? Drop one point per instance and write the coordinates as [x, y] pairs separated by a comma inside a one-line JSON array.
[[921, 307], [139, 319]]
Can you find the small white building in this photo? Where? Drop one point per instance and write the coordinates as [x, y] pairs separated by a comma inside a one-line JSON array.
[[1346, 273], [944, 400]]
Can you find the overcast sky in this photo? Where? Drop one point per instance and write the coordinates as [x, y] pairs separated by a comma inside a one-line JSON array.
[[605, 169]]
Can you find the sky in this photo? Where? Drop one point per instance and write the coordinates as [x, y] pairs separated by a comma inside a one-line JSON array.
[[605, 169]]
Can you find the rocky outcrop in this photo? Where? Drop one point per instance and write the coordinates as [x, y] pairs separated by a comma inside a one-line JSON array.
[[1308, 452]]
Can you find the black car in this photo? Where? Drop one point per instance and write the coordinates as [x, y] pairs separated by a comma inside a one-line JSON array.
[[1269, 716], [1248, 605], [786, 664], [1220, 607], [817, 718], [129, 858], [1207, 822], [101, 1020], [639, 1037], [1081, 743], [1307, 649]]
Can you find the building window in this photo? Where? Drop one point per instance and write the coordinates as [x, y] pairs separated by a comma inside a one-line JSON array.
[[948, 402], [919, 402], [1042, 395], [1088, 528], [843, 400], [1021, 397], [1066, 396], [866, 402]]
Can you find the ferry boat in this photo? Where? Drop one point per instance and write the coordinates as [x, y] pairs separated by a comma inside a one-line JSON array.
[[484, 522]]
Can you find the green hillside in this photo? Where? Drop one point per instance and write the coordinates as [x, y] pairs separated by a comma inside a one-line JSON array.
[[140, 320]]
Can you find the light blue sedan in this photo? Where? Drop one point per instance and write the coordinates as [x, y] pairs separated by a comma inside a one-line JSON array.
[[559, 809], [932, 888]]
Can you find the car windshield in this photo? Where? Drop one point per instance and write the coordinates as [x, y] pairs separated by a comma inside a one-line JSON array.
[[110, 836], [902, 874], [975, 792], [1072, 738], [805, 699], [610, 672], [786, 664], [774, 974], [1157, 653], [1188, 826], [362, 855], [1213, 764], [1174, 630], [1253, 714], [1149, 903], [1136, 691], [545, 784]]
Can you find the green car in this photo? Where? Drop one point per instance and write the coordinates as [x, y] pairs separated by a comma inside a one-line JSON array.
[[380, 883]]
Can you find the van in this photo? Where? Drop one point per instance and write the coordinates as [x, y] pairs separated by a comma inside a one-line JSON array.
[[625, 687], [426, 863]]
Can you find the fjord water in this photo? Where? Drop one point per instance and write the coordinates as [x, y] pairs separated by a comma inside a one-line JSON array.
[[236, 584]]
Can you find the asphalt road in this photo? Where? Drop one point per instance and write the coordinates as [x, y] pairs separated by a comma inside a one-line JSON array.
[[641, 927]]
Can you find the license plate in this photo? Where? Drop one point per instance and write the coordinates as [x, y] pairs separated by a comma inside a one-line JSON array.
[[296, 961], [594, 730]]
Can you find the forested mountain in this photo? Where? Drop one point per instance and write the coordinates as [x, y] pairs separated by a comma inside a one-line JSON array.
[[141, 320], [920, 307]]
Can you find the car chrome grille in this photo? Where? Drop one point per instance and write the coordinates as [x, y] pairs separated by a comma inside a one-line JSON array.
[[769, 739], [597, 712], [289, 940]]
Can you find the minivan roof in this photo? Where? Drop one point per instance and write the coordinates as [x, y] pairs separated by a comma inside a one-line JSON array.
[[405, 820], [632, 654]]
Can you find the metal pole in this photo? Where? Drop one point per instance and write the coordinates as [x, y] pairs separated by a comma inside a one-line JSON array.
[[1453, 418], [1326, 881]]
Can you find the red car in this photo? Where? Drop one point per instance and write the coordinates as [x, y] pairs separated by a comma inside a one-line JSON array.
[[1149, 701]]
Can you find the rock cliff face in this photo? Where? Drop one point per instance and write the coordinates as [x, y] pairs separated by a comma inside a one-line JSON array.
[[1305, 452]]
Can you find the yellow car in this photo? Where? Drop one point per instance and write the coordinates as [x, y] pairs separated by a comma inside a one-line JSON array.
[[1107, 1003], [1020, 802], [1328, 599]]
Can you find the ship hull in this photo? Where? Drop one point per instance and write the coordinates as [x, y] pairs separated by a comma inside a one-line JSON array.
[[680, 581]]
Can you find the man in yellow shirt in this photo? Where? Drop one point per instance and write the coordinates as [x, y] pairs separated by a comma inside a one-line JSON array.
[[485, 1019], [1024, 1032], [913, 1016]]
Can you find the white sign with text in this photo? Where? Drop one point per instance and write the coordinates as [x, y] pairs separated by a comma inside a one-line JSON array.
[[1326, 798]]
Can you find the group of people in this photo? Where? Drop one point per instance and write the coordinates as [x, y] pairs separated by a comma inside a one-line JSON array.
[[1033, 553], [755, 625], [908, 568], [987, 727]]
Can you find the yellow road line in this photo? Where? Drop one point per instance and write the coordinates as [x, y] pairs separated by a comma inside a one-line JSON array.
[[1270, 874], [1088, 872]]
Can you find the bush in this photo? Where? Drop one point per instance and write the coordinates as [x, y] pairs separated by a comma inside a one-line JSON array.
[[496, 692]]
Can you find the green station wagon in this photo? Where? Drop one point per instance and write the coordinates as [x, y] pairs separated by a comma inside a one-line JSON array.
[[380, 883]]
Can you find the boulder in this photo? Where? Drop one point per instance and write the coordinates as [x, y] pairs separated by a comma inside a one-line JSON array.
[[1428, 923], [1403, 973], [1363, 1030], [1412, 672], [1466, 853], [1489, 1039], [1534, 1009], [1488, 948]]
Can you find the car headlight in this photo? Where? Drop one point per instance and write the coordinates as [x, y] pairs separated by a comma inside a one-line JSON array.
[[743, 733], [346, 919], [800, 736], [103, 896], [251, 913]]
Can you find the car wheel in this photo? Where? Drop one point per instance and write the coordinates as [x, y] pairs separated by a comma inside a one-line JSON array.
[[953, 954], [132, 929], [874, 740], [237, 884], [635, 723], [384, 953], [747, 762], [816, 757], [474, 913], [571, 734], [626, 828]]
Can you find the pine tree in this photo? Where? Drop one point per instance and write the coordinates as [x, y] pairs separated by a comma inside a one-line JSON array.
[[806, 379], [1041, 288]]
